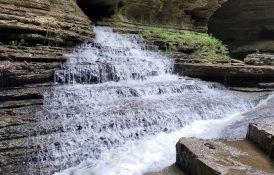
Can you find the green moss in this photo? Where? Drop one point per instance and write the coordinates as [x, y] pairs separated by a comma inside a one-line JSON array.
[[206, 46]]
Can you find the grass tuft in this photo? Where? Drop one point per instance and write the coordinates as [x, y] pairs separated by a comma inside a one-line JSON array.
[[206, 46]]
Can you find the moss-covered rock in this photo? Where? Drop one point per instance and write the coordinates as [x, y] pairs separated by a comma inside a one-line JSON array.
[[203, 47]]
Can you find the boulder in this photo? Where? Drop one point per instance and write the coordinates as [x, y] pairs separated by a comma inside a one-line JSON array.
[[262, 134]]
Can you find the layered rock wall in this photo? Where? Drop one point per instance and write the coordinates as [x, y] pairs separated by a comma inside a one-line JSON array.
[[52, 22], [245, 25], [182, 14], [34, 37]]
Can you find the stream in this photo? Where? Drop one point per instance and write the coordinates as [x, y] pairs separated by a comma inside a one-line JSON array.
[[119, 109]]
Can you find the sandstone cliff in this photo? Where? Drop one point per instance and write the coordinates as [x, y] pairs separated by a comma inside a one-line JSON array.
[[183, 14], [54, 22], [245, 25], [34, 36]]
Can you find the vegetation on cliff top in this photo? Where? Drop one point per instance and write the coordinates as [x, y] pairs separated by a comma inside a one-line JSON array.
[[205, 46]]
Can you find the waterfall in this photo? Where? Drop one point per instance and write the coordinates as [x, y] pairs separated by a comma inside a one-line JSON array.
[[114, 92]]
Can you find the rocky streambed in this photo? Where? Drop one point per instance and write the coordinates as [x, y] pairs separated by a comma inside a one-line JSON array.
[[22, 97], [42, 130]]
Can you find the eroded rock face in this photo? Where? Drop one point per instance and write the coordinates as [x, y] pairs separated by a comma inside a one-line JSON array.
[[245, 25], [35, 35], [183, 14], [51, 22]]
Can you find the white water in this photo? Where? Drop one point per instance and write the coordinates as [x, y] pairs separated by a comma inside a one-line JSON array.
[[153, 153], [150, 154], [121, 110]]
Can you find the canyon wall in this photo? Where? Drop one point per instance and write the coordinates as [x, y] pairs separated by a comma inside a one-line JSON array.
[[245, 26], [35, 35], [180, 14], [53, 22]]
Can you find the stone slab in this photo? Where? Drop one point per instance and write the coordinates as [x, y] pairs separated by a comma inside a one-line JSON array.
[[211, 157], [262, 135], [231, 75]]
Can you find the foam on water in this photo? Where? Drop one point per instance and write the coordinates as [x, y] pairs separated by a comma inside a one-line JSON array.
[[153, 153], [120, 110], [150, 154], [113, 57]]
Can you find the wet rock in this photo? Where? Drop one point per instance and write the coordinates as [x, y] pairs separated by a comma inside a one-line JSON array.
[[263, 113], [162, 48], [237, 61], [179, 55], [259, 59], [197, 156], [171, 170], [186, 49], [254, 89], [160, 43], [266, 85], [230, 75], [262, 134]]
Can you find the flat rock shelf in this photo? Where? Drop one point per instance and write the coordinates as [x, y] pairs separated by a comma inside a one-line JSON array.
[[212, 157]]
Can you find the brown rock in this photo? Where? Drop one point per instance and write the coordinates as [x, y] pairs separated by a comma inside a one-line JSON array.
[[245, 26], [259, 59], [212, 157], [262, 134], [160, 43], [165, 13], [231, 75], [186, 49], [58, 22]]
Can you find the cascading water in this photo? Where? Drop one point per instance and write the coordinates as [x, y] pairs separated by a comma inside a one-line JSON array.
[[117, 97]]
